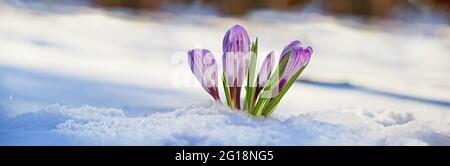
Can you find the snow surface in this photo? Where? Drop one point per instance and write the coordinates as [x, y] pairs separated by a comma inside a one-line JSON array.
[[213, 124], [93, 77]]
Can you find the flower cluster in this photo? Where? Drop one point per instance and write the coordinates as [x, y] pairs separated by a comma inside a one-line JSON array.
[[264, 89]]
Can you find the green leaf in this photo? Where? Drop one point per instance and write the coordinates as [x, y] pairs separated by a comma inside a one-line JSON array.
[[225, 88], [275, 78], [260, 106], [268, 88], [251, 76], [274, 103]]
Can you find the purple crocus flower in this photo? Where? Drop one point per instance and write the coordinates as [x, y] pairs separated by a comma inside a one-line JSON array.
[[293, 45], [264, 73], [238, 36], [236, 58], [204, 67], [299, 58], [266, 69]]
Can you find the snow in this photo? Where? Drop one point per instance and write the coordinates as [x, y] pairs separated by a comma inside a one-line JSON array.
[[213, 124], [94, 77]]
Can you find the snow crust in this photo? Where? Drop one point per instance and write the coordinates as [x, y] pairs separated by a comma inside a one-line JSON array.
[[213, 124]]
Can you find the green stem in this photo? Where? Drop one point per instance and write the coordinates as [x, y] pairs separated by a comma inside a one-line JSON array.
[[251, 76], [274, 102], [225, 88], [269, 87]]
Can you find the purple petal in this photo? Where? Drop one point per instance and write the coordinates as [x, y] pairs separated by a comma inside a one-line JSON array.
[[203, 66], [293, 64], [306, 55], [236, 56], [266, 69], [298, 59], [238, 36], [293, 45]]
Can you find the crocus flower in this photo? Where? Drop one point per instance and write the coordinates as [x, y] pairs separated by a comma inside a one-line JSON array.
[[293, 45], [299, 58], [266, 69], [236, 58], [264, 73], [204, 67]]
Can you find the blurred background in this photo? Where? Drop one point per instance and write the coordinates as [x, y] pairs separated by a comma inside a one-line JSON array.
[[368, 9], [364, 8], [386, 60]]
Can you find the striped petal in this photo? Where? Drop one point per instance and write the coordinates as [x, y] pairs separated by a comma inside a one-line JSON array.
[[266, 69], [203, 65], [298, 59], [236, 57]]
